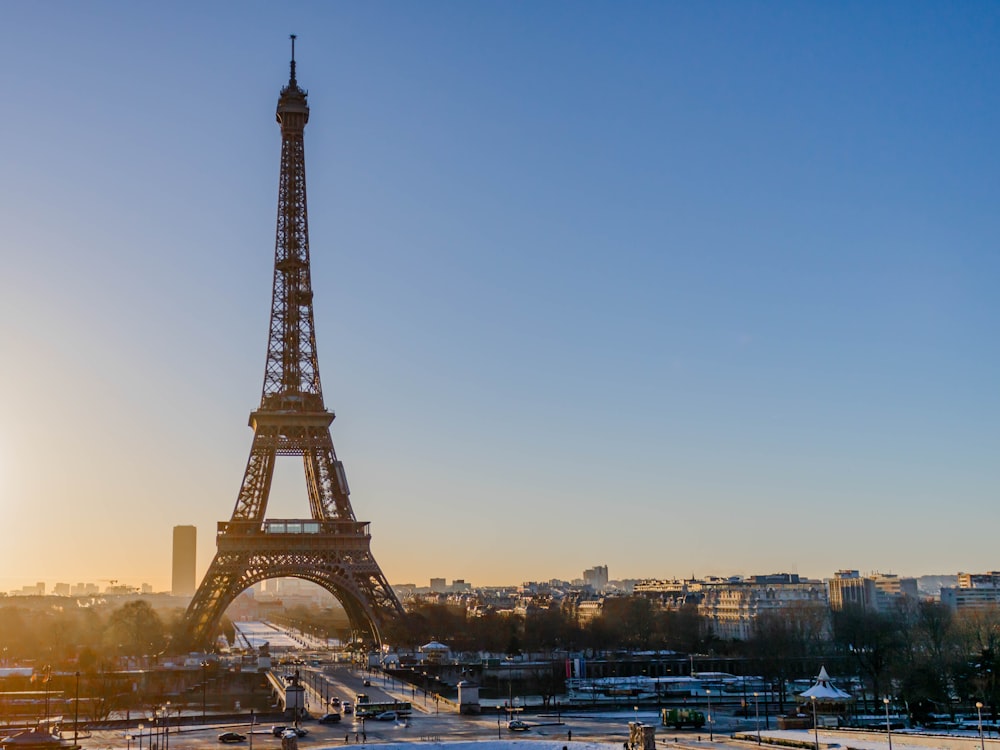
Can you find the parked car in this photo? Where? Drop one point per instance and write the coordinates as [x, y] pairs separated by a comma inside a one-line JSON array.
[[516, 725], [229, 737], [329, 718], [277, 731], [387, 716]]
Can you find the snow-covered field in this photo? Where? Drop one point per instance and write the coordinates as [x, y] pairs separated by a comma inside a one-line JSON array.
[[524, 744]]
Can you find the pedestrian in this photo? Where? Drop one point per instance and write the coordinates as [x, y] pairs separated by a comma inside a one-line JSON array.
[[347, 738], [569, 736], [364, 737], [355, 738]]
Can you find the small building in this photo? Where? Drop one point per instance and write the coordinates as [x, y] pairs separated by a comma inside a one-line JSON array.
[[435, 652], [824, 699], [468, 698]]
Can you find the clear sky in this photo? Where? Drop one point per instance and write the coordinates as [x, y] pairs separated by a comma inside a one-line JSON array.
[[679, 288]]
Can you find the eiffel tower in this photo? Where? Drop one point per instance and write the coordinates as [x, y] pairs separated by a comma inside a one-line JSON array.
[[331, 548]]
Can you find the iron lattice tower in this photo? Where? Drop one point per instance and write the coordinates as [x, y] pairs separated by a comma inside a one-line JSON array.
[[331, 548]]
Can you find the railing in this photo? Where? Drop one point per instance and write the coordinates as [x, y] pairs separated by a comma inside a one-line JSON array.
[[302, 526]]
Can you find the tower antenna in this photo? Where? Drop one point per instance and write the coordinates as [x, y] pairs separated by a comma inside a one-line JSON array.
[[291, 78]]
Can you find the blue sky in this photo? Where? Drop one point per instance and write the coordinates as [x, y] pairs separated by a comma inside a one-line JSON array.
[[678, 288]]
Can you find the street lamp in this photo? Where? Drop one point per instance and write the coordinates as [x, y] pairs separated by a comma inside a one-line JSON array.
[[141, 727], [204, 686], [250, 733], [756, 713], [47, 675], [710, 735], [76, 710], [888, 727], [498, 721], [635, 709], [979, 710], [153, 729], [812, 699], [166, 726]]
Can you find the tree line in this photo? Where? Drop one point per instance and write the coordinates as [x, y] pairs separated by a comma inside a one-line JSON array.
[[922, 654]]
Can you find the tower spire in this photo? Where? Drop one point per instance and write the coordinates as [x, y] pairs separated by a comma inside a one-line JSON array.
[[291, 76]]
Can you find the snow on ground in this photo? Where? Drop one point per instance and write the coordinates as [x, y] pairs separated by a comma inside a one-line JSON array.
[[860, 740], [525, 744]]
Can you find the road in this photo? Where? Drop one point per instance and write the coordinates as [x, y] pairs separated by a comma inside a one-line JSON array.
[[430, 721], [569, 729], [438, 721]]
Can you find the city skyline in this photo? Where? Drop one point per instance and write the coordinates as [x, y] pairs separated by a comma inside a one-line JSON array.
[[675, 288], [444, 584]]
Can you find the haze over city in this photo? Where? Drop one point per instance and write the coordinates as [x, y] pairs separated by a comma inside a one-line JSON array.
[[676, 288]]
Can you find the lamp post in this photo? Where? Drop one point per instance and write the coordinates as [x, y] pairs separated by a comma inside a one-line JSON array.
[[204, 687], [888, 727], [141, 727], [47, 674], [153, 729], [756, 713], [635, 710], [812, 699], [711, 737], [250, 733], [498, 721], [979, 710], [166, 726], [76, 710]]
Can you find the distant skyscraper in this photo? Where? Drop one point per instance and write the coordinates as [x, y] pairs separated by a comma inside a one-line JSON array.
[[185, 550], [877, 591], [596, 577], [847, 588]]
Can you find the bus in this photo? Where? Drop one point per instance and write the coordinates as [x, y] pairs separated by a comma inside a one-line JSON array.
[[371, 710]]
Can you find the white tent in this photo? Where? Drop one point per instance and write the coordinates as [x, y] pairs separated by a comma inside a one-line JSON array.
[[435, 652], [434, 646], [823, 691]]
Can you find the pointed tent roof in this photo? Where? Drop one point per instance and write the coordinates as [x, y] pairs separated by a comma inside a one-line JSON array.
[[434, 646], [824, 690]]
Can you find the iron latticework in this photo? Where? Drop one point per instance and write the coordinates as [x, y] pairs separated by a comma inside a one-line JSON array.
[[330, 548]]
